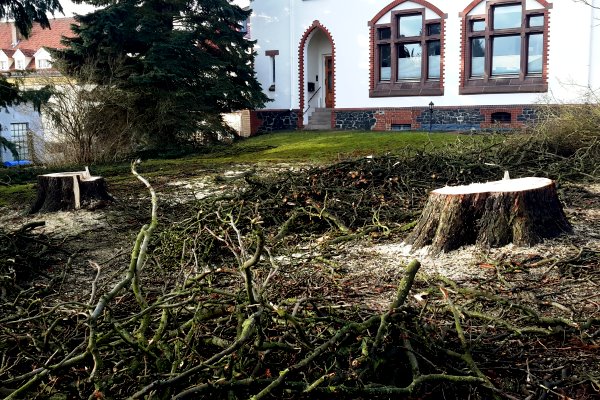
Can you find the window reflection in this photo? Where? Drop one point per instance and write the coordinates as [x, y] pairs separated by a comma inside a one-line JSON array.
[[534, 52], [385, 55], [506, 58], [506, 17], [433, 54], [536, 20], [478, 26], [410, 25], [477, 56], [409, 61]]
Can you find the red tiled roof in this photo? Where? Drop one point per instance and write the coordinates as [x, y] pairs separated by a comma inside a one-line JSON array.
[[9, 52], [5, 35], [49, 38], [27, 52]]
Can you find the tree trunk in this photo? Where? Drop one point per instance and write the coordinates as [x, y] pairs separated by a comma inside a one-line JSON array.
[[63, 191], [520, 211]]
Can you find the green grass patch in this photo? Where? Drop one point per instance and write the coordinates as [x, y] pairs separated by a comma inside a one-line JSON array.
[[326, 146], [17, 195], [320, 147]]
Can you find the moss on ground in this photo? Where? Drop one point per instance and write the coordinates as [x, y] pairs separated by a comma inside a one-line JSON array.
[[17, 194]]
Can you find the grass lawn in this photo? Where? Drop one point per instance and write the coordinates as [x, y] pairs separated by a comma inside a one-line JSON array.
[[313, 147], [327, 146]]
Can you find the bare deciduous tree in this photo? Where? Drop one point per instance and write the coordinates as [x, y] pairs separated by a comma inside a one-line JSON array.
[[87, 123]]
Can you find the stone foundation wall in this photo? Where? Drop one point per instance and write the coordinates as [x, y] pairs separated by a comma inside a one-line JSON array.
[[409, 118], [451, 119], [263, 121], [363, 120], [442, 118]]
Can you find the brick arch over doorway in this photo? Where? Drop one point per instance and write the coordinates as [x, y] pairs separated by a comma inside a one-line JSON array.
[[302, 85]]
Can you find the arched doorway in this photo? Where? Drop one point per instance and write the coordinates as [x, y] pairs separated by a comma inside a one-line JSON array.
[[317, 70]]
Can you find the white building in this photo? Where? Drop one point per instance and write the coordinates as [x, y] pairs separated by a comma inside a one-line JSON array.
[[28, 61], [378, 64]]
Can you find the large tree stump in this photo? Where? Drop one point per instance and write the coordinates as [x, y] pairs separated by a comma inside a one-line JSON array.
[[520, 211], [63, 191]]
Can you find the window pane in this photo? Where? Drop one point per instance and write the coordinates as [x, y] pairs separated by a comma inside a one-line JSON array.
[[385, 62], [536, 20], [535, 52], [410, 25], [385, 33], [477, 56], [434, 29], [506, 58], [478, 26], [507, 16], [409, 61], [19, 138], [433, 54], [44, 63]]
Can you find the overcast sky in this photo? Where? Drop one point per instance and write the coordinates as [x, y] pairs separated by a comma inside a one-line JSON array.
[[71, 8]]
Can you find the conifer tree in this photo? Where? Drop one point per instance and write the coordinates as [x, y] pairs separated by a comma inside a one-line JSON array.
[[179, 63]]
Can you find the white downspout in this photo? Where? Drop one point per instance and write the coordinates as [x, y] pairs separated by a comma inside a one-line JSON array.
[[292, 33], [594, 67]]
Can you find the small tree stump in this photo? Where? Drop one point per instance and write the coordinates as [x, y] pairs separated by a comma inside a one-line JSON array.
[[63, 191], [520, 211]]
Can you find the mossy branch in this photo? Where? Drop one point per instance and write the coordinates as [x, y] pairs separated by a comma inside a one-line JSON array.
[[401, 295]]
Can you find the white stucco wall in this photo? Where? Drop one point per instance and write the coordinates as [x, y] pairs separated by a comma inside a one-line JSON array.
[[594, 61], [280, 25], [23, 113], [272, 22]]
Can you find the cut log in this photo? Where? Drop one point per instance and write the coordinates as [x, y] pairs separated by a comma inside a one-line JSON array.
[[521, 211], [63, 191]]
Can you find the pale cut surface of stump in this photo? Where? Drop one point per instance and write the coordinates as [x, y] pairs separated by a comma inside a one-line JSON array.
[[64, 191], [521, 211]]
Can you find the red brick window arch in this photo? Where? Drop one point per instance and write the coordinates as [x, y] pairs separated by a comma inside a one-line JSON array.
[[504, 47], [407, 50]]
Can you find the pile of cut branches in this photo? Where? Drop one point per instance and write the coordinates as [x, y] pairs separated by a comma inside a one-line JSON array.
[[384, 194], [225, 330], [25, 255]]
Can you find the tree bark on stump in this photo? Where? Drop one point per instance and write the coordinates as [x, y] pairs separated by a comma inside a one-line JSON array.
[[520, 211], [63, 191]]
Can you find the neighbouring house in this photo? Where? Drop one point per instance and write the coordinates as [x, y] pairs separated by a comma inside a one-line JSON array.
[[415, 64], [29, 62]]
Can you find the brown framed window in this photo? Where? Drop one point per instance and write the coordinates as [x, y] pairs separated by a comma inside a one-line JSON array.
[[505, 50], [407, 55]]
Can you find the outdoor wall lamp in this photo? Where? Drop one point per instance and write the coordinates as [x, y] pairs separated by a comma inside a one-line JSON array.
[[430, 114]]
